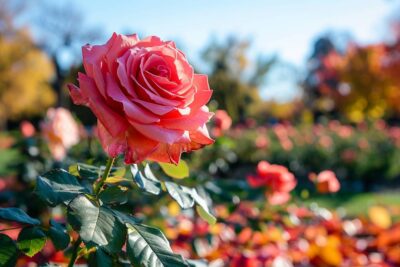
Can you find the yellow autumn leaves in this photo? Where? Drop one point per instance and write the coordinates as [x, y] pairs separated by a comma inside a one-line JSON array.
[[25, 72]]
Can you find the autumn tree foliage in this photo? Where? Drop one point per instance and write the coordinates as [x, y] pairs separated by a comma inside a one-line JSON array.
[[25, 71], [358, 84]]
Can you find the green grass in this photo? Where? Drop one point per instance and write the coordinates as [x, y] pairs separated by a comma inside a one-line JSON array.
[[355, 204], [7, 158]]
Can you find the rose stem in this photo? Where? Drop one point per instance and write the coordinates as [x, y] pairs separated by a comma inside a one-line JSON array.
[[74, 252], [100, 184]]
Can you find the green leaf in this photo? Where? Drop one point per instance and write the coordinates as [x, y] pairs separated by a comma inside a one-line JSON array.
[[58, 186], [85, 171], [58, 235], [186, 197], [114, 195], [125, 218], [8, 251], [31, 240], [181, 194], [206, 215], [100, 259], [179, 171], [117, 172], [148, 183], [96, 225], [202, 208], [148, 247], [17, 215], [197, 263]]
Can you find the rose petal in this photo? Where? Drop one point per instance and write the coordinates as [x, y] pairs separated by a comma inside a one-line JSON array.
[[76, 95], [190, 122], [156, 98], [201, 136], [119, 44], [113, 146], [114, 123], [139, 147], [133, 111], [154, 108], [158, 133]]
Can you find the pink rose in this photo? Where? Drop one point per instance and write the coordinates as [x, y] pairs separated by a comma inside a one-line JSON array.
[[27, 129], [222, 122], [326, 182], [277, 178], [146, 97], [61, 131]]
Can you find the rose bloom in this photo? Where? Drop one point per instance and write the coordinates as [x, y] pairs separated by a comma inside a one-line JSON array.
[[148, 101], [61, 131], [27, 129], [222, 122], [326, 182], [277, 178]]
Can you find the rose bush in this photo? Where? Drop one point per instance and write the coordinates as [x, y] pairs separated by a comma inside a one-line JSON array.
[[146, 97]]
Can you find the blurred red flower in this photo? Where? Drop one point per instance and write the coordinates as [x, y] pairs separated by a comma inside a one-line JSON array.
[[277, 178], [325, 181]]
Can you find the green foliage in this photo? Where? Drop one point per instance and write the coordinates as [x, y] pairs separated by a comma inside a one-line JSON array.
[[179, 171], [100, 259], [8, 158], [102, 229], [17, 215], [85, 171], [8, 251], [58, 235], [58, 186], [96, 224], [148, 247], [147, 182], [31, 240], [181, 194], [185, 196], [114, 195]]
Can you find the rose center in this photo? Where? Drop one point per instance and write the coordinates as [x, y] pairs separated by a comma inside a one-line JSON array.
[[161, 70]]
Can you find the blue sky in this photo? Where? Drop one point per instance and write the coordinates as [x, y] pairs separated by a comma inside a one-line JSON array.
[[284, 27]]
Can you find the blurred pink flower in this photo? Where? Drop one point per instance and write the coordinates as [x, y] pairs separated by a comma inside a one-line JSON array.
[[61, 131], [345, 131], [326, 182], [325, 141], [261, 141], [27, 129], [222, 122]]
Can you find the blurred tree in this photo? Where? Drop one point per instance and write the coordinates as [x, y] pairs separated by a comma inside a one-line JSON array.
[[234, 79], [356, 84], [322, 78], [61, 33], [368, 87], [391, 66], [24, 70]]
